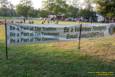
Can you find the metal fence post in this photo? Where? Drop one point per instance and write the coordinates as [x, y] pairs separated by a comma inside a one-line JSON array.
[[80, 31], [6, 45]]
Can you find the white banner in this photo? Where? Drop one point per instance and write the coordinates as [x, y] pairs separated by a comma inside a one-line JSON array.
[[31, 33]]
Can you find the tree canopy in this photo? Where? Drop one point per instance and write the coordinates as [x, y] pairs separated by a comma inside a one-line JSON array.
[[6, 8], [24, 8], [56, 7], [106, 7]]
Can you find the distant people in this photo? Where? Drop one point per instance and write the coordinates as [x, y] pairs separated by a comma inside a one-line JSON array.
[[31, 22], [21, 21], [24, 20], [53, 19], [44, 20], [1, 22], [50, 19], [12, 21]]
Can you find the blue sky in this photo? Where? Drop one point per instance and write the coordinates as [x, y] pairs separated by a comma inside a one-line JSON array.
[[36, 3]]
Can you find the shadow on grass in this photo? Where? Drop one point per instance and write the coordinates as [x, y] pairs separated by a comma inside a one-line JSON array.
[[47, 61]]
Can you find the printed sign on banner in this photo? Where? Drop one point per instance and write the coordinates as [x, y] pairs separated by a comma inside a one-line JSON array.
[[31, 33]]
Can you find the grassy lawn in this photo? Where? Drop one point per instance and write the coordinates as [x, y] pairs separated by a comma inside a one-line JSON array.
[[60, 22], [59, 59]]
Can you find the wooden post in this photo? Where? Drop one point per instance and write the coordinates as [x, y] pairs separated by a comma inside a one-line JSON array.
[[80, 31], [6, 39]]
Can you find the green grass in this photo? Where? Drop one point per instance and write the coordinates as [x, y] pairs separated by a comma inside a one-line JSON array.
[[60, 22], [55, 59]]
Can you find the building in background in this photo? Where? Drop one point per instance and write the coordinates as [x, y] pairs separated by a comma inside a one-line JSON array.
[[100, 18]]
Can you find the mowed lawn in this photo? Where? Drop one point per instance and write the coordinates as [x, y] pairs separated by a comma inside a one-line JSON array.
[[59, 59], [60, 22]]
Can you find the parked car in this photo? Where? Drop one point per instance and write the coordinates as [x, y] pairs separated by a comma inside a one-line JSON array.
[[69, 19]]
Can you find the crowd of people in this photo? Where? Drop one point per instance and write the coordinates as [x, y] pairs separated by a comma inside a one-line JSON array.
[[50, 19]]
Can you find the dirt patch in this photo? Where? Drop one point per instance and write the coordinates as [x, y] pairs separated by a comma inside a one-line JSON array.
[[103, 48]]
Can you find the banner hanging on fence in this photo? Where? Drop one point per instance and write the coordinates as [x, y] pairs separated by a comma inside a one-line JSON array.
[[30, 33]]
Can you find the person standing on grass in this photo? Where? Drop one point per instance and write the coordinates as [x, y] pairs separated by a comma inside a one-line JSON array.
[[44, 20]]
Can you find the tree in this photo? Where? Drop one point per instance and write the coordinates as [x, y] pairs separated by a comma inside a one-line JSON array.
[[107, 8], [33, 12], [56, 7], [87, 14], [43, 13], [71, 11], [6, 8], [11, 10], [24, 8]]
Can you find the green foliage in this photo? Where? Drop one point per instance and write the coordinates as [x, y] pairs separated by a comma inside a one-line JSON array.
[[57, 7], [6, 8], [106, 7], [24, 8], [87, 14], [71, 11], [43, 13], [3, 11]]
